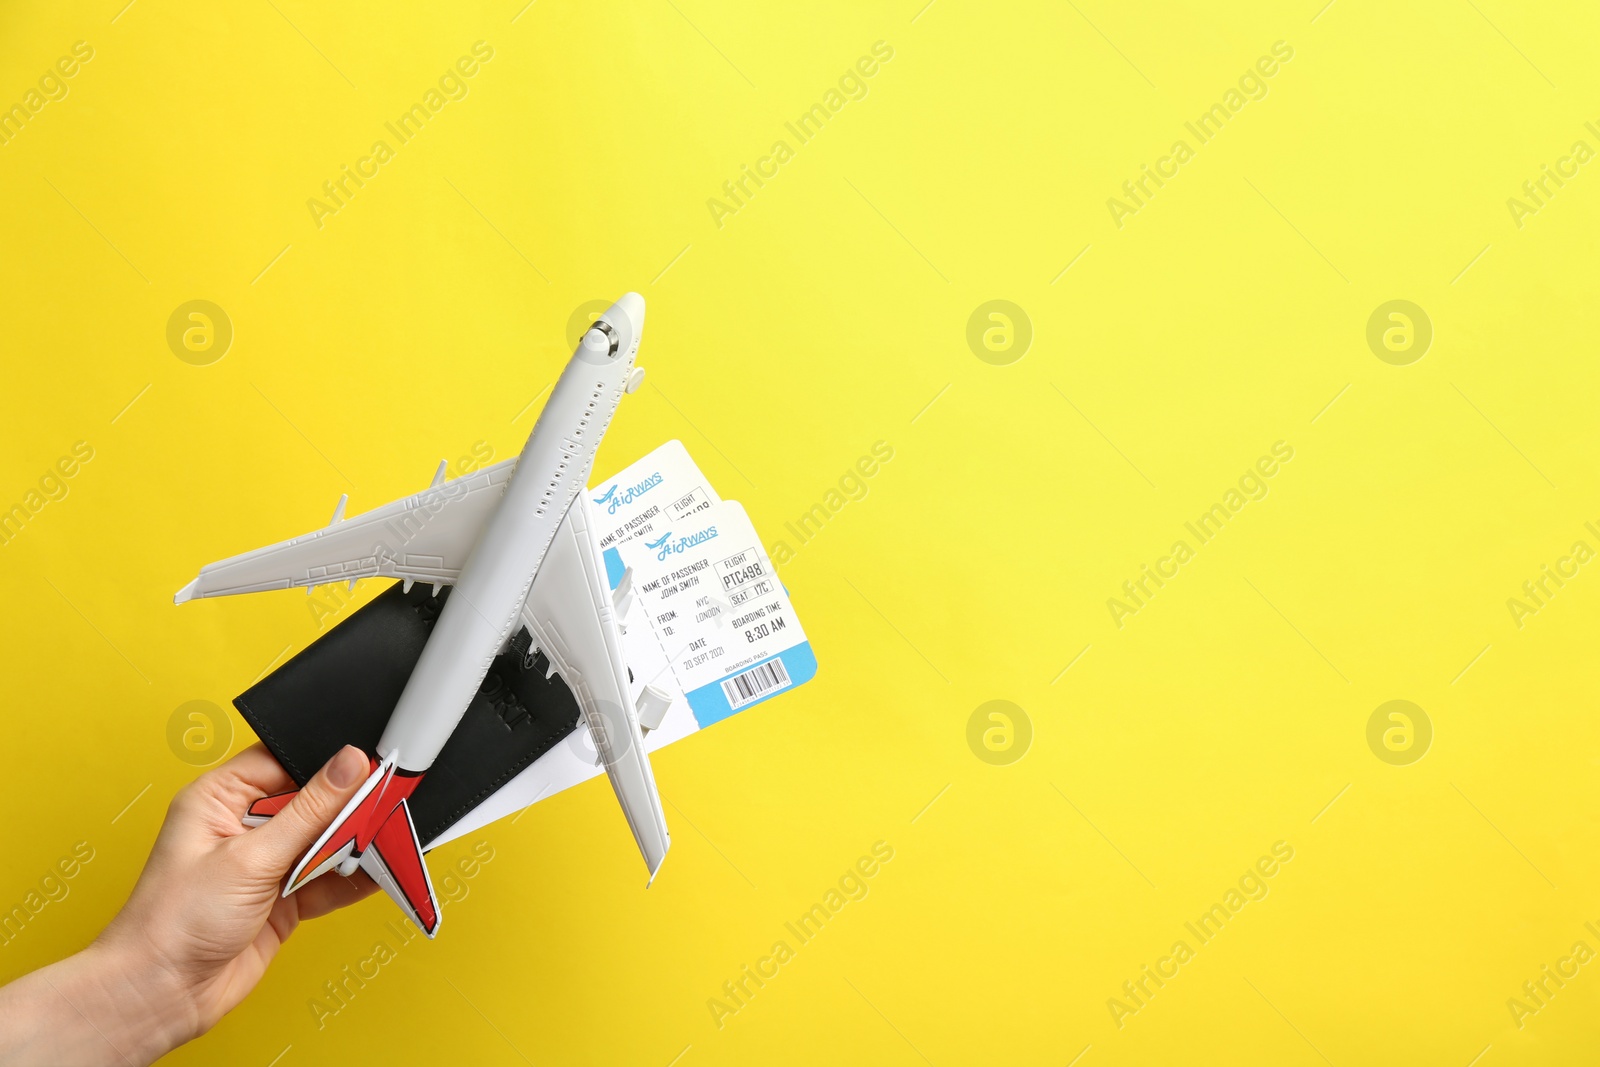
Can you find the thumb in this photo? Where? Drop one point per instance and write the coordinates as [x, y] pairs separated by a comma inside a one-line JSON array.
[[279, 844]]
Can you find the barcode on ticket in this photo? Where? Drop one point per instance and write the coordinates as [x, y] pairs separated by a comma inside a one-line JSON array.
[[756, 682]]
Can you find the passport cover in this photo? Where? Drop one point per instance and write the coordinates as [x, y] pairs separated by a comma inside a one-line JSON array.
[[341, 689]]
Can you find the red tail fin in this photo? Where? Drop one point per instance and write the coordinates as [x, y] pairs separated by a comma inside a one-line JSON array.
[[374, 829], [394, 860]]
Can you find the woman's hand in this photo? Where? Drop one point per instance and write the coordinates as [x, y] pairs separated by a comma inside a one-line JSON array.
[[200, 927]]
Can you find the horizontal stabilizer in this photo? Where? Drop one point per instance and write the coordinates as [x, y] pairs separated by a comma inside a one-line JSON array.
[[266, 807], [346, 835]]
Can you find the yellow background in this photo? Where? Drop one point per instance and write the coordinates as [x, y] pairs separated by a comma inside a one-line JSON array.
[[822, 317]]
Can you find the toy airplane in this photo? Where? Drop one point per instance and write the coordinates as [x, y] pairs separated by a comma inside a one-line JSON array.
[[517, 554]]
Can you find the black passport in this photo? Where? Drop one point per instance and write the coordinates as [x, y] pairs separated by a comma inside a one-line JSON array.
[[341, 689]]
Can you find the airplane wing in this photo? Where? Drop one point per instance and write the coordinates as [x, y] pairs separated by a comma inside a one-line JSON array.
[[425, 537], [571, 617]]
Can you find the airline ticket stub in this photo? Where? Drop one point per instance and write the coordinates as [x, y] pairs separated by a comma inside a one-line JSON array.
[[646, 497], [715, 606]]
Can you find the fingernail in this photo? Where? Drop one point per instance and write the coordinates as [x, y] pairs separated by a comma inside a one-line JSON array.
[[344, 770]]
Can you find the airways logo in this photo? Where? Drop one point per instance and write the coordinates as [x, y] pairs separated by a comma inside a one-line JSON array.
[[667, 546], [616, 497]]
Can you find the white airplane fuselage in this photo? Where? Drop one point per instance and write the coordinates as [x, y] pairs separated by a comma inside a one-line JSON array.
[[483, 611]]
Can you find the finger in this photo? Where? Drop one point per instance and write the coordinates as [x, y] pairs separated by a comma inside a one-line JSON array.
[[255, 770], [330, 893], [251, 774], [214, 802], [285, 839]]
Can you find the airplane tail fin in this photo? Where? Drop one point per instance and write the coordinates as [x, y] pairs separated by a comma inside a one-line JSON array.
[[394, 860], [374, 832]]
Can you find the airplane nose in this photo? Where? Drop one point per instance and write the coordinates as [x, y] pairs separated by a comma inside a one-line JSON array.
[[631, 307], [615, 333]]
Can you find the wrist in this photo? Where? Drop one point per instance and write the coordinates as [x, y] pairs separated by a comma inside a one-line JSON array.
[[92, 1008], [134, 1002]]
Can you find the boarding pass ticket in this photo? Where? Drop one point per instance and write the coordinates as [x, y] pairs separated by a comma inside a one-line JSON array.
[[648, 496], [716, 609], [719, 620]]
